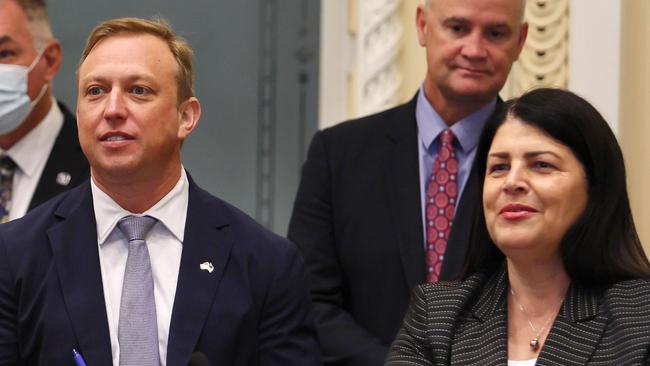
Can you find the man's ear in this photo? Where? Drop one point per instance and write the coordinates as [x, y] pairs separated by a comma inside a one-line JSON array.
[[52, 55], [190, 112], [421, 24], [523, 34]]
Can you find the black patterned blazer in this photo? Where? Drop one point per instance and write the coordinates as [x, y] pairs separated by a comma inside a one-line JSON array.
[[465, 323]]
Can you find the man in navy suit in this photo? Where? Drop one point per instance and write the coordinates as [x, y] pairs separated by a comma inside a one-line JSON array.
[[216, 281]]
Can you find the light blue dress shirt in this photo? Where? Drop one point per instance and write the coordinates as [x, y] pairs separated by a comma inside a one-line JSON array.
[[467, 132]]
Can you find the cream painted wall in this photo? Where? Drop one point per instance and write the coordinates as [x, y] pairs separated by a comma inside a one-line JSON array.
[[335, 55], [412, 59], [594, 54], [635, 110]]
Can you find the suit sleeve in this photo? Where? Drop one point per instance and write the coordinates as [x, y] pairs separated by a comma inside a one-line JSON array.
[[287, 336], [8, 312], [312, 228], [410, 347]]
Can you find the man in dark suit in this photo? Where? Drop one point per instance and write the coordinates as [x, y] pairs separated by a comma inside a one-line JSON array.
[[139, 266], [368, 215], [40, 154]]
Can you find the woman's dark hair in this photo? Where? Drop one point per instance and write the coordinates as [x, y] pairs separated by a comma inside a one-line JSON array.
[[602, 246]]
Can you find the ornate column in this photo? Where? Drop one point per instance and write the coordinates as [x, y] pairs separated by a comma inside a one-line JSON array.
[[376, 30], [544, 59]]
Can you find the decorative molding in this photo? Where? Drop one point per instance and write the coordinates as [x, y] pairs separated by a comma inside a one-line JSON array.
[[544, 60], [375, 79]]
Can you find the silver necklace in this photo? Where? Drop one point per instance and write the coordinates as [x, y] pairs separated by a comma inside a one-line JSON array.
[[534, 343]]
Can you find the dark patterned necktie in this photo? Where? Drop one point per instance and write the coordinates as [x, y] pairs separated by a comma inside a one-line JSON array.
[[7, 169], [137, 331], [442, 190]]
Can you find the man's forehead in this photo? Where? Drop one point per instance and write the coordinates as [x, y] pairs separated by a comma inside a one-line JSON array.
[[133, 44], [14, 25], [492, 11], [130, 48], [128, 56]]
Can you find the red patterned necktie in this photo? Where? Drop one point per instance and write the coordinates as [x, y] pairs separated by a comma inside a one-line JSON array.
[[442, 190]]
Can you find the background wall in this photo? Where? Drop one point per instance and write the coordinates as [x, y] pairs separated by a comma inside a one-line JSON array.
[[635, 109], [256, 67], [595, 54]]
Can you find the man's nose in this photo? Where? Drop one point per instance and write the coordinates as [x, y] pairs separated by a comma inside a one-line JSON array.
[[115, 106], [474, 47]]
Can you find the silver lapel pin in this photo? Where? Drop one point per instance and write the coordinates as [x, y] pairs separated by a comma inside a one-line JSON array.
[[207, 266], [63, 178]]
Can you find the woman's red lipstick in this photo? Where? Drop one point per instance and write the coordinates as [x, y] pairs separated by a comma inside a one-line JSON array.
[[516, 211]]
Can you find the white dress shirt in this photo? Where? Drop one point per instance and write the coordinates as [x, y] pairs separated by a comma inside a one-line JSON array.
[[30, 155], [165, 245]]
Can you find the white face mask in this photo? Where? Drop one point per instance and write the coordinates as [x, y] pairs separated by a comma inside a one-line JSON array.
[[15, 104]]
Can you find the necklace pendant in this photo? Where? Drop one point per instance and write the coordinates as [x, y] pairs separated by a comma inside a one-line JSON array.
[[534, 344]]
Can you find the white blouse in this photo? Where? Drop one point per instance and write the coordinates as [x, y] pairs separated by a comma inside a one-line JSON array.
[[522, 363]]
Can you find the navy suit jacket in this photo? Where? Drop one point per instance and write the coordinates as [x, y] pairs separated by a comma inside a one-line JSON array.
[[253, 309], [66, 157]]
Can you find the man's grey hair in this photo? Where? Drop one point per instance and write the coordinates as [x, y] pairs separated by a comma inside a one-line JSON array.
[[39, 22], [522, 15]]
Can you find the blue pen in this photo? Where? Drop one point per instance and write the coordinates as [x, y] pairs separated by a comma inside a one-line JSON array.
[[78, 359]]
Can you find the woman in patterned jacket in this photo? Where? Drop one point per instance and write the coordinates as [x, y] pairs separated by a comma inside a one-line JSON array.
[[555, 274]]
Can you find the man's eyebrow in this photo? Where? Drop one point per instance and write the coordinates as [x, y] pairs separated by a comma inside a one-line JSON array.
[[461, 20], [90, 78], [499, 24], [456, 20], [128, 79], [5, 39]]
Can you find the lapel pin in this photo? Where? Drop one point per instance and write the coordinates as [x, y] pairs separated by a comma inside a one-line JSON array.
[[207, 266], [63, 178]]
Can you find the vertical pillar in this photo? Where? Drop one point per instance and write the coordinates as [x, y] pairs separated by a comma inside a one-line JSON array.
[[635, 109]]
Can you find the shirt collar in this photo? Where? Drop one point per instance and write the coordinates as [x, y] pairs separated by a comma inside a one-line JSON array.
[[24, 154], [171, 210], [467, 130]]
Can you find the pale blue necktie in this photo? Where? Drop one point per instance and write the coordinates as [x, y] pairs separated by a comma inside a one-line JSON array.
[[138, 329]]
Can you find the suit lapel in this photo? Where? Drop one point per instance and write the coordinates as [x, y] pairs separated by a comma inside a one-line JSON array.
[[579, 315], [482, 338], [402, 175], [487, 331], [66, 161], [207, 239], [76, 256]]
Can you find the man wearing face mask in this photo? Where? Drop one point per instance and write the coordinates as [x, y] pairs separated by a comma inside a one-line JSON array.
[[40, 154]]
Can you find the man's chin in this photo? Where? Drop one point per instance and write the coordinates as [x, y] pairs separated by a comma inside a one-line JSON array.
[[472, 94], [115, 170], [461, 92]]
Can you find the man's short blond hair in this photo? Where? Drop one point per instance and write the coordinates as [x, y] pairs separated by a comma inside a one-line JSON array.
[[157, 27]]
